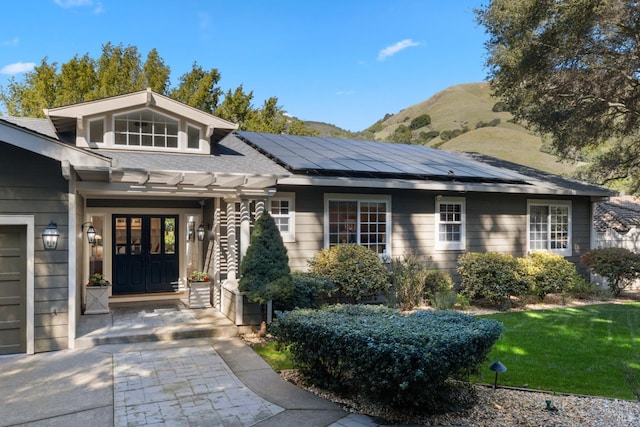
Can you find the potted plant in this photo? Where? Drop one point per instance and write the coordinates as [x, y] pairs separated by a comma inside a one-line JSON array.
[[97, 295], [199, 289]]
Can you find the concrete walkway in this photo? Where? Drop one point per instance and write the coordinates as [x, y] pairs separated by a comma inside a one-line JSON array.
[[158, 366]]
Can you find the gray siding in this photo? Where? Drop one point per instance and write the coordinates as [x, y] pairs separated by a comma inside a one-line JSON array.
[[33, 185], [494, 222]]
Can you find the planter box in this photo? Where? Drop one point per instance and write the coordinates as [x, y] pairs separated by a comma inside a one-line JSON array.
[[236, 306], [199, 294], [97, 300]]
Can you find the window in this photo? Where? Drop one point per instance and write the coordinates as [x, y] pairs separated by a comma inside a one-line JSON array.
[[450, 223], [282, 211], [146, 129], [359, 220], [96, 131], [193, 138], [549, 225]]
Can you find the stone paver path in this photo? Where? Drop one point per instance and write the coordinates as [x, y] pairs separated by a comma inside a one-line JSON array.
[[188, 386]]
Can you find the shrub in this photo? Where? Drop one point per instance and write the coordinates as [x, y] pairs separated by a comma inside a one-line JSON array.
[[549, 273], [356, 271], [491, 275], [309, 291], [420, 121], [264, 270], [398, 359], [408, 278], [620, 266], [444, 300], [427, 136], [402, 134], [436, 281]]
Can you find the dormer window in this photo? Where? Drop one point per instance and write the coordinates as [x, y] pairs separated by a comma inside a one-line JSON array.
[[145, 129]]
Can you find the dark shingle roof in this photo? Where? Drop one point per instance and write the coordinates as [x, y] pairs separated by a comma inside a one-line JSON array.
[[230, 156], [619, 213], [42, 126]]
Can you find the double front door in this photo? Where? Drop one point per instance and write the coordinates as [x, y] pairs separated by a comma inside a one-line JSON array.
[[145, 253]]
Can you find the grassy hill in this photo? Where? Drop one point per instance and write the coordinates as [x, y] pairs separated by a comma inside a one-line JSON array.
[[458, 110]]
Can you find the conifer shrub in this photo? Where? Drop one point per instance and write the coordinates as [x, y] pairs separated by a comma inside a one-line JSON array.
[[356, 271], [265, 272], [394, 358]]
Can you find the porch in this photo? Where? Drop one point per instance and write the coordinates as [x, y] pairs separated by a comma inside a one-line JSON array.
[[162, 320]]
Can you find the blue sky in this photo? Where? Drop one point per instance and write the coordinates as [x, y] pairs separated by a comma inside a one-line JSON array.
[[345, 62]]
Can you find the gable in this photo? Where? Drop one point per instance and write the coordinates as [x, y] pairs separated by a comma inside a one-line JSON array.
[[143, 120]]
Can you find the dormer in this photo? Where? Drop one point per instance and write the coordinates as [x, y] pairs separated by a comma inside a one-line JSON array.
[[140, 121]]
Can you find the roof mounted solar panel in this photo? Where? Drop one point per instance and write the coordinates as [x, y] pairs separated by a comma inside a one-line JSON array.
[[343, 157]]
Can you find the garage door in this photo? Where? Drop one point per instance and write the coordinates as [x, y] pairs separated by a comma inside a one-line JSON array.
[[13, 289]]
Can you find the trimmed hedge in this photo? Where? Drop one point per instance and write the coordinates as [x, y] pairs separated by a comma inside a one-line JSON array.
[[398, 359], [491, 275]]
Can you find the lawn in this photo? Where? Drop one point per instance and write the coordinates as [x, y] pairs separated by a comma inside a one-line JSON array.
[[572, 350]]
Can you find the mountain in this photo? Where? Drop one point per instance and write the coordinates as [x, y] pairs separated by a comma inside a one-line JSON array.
[[465, 118]]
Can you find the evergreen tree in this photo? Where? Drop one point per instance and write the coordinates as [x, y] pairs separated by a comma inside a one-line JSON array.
[[264, 271]]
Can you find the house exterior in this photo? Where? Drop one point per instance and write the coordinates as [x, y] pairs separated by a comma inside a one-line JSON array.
[[616, 224], [170, 190]]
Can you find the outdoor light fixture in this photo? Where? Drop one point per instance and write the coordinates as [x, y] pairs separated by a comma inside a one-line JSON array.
[[50, 237], [91, 233], [201, 231], [498, 368]]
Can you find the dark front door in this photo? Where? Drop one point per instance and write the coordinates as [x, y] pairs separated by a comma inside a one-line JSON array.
[[145, 255]]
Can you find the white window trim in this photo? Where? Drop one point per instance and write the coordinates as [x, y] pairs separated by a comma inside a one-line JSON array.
[[104, 131], [181, 135], [287, 237], [548, 203], [199, 129], [445, 245], [373, 198]]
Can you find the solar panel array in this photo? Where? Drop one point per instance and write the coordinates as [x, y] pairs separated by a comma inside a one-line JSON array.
[[307, 154]]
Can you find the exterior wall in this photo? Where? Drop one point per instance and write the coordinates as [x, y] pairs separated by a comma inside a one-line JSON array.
[[33, 185], [494, 222]]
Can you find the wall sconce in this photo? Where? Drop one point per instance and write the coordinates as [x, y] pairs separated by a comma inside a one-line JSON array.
[[498, 368], [91, 233], [201, 232], [50, 237], [191, 231]]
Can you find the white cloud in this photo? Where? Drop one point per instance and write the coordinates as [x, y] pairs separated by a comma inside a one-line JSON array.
[[395, 48], [66, 4], [13, 42], [17, 68]]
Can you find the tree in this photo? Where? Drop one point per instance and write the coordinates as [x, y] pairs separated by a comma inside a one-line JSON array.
[[570, 69], [198, 88], [264, 271], [119, 70]]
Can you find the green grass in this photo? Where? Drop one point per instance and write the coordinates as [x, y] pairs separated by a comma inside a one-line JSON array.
[[569, 350], [278, 358]]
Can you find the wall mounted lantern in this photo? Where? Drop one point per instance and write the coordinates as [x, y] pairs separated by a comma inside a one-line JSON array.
[[91, 233], [50, 237], [201, 232]]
